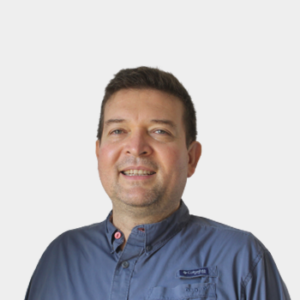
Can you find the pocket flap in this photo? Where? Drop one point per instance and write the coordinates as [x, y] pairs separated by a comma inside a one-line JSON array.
[[183, 291]]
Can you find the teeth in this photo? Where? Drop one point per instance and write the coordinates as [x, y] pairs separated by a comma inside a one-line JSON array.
[[137, 172]]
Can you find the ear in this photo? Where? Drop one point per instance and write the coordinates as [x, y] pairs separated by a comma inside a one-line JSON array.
[[97, 148], [194, 153]]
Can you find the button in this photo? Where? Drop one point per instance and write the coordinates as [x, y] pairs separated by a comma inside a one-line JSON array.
[[187, 289], [125, 264], [117, 235], [148, 248]]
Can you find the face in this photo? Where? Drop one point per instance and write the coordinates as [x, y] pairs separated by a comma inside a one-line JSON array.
[[143, 159]]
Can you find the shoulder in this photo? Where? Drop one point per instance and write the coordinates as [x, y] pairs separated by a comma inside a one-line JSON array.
[[231, 248], [69, 247], [84, 232], [63, 257], [211, 224], [232, 240], [72, 242]]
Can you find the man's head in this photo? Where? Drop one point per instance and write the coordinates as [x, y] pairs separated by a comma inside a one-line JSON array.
[[144, 158], [152, 78]]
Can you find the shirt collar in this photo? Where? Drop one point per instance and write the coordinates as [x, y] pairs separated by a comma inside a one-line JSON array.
[[150, 236]]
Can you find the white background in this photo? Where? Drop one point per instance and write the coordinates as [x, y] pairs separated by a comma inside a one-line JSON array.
[[239, 60]]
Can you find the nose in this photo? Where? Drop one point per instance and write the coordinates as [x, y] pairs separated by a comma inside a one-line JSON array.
[[138, 144]]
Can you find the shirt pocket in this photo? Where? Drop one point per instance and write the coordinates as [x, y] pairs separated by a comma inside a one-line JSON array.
[[184, 292]]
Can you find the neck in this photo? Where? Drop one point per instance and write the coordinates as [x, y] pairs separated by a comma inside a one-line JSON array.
[[126, 217]]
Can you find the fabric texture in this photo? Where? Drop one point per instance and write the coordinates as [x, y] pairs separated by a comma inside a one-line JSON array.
[[182, 257]]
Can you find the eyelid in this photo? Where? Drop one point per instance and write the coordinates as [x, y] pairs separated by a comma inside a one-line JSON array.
[[163, 130], [117, 129]]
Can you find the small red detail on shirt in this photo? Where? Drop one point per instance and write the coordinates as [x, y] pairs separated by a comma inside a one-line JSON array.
[[141, 229], [118, 235]]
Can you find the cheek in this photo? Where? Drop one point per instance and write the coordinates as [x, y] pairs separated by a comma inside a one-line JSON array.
[[107, 159], [175, 160]]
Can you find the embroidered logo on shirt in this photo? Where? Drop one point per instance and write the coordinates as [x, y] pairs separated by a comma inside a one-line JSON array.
[[194, 273], [207, 271]]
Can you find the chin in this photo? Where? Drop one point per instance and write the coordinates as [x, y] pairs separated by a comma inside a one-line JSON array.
[[137, 202], [139, 197], [141, 200]]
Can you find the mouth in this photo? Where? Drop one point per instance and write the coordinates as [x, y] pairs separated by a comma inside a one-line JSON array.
[[137, 172]]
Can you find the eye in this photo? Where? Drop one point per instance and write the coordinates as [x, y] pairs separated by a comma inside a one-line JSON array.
[[160, 131], [117, 131]]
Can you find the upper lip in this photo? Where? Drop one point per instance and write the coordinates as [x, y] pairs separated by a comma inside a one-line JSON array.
[[137, 168]]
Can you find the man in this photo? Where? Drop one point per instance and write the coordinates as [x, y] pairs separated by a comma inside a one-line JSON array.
[[150, 247]]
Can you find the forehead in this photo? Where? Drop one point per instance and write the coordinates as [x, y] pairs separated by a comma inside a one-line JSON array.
[[143, 103]]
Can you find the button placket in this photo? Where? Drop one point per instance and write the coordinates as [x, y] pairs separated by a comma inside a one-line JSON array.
[[124, 270]]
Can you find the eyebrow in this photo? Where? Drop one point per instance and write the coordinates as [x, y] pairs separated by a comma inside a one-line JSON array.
[[110, 121], [166, 122]]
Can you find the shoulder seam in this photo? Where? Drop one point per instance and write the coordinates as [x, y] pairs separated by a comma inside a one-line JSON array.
[[254, 264]]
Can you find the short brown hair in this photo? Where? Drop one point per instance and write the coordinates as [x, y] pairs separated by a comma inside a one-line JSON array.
[[152, 78]]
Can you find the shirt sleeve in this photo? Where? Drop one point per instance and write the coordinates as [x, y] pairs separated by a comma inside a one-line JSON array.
[[264, 281]]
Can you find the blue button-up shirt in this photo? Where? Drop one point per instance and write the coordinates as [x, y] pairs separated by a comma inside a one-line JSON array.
[[182, 257]]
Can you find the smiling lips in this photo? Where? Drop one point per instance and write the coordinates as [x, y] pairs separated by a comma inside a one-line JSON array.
[[137, 172]]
